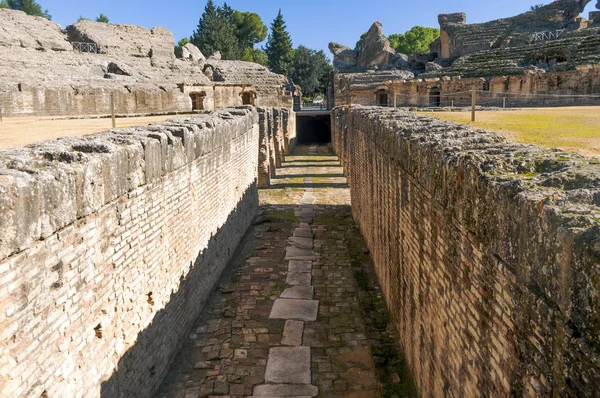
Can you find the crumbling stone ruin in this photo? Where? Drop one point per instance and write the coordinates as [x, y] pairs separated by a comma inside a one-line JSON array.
[[550, 50], [98, 233], [111, 244], [50, 71]]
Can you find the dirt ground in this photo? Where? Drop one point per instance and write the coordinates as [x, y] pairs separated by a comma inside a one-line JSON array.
[[21, 131], [570, 128]]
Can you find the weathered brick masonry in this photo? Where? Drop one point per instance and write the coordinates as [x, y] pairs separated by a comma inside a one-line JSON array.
[[487, 253], [110, 245]]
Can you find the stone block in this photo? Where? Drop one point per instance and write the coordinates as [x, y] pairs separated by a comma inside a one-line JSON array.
[[285, 390], [292, 333], [301, 310], [299, 292], [288, 365]]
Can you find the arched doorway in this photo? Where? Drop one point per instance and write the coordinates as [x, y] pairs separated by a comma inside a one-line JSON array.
[[435, 97], [198, 101]]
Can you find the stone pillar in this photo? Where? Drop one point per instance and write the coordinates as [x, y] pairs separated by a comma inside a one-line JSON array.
[[264, 177]]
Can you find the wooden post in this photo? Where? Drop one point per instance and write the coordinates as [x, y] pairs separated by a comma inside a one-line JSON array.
[[452, 103], [473, 101], [504, 102], [112, 109], [395, 102]]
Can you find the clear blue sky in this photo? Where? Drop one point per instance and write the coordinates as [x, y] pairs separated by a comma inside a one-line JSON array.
[[312, 23]]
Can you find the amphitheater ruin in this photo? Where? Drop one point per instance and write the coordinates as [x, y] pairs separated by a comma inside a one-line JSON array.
[[252, 249]]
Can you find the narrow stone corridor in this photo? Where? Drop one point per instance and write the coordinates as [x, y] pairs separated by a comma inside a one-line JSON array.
[[287, 319]]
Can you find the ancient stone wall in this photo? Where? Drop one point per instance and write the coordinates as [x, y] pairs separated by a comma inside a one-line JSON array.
[[459, 38], [43, 75], [277, 139], [536, 88], [486, 252], [110, 245]]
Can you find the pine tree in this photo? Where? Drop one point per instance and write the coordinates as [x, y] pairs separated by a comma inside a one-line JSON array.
[[216, 32], [30, 7], [279, 47]]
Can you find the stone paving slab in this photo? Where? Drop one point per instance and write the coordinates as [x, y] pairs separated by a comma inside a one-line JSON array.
[[294, 253], [286, 390], [300, 266], [229, 349], [288, 365], [301, 243], [299, 279], [301, 310], [303, 233], [299, 292], [292, 333]]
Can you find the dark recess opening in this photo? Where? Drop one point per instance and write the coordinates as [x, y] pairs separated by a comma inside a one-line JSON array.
[[382, 98], [248, 98], [313, 129], [435, 97], [197, 101]]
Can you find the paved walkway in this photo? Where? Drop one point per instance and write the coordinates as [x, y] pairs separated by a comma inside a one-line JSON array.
[[287, 320]]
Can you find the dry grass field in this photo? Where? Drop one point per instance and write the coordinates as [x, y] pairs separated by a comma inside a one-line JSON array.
[[20, 131], [570, 128]]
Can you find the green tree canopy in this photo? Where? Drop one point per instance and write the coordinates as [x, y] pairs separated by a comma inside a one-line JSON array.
[[249, 29], [358, 46], [279, 47], [255, 55], [414, 41], [30, 7], [216, 32], [310, 69], [102, 18]]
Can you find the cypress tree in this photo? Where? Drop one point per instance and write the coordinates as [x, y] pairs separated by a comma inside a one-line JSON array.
[[216, 32], [279, 47]]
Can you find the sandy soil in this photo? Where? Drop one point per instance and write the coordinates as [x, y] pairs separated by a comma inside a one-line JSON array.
[[570, 128], [20, 131]]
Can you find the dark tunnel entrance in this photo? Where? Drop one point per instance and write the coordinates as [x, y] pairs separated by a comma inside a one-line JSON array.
[[313, 128]]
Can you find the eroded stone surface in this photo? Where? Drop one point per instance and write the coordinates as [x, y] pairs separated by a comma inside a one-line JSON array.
[[299, 292], [285, 390], [288, 365], [302, 310], [300, 266], [299, 279], [294, 253], [292, 333], [301, 243]]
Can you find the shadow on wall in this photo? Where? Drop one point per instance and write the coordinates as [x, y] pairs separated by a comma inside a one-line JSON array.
[[142, 368], [313, 129]]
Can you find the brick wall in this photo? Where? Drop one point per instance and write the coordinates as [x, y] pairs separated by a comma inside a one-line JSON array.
[[110, 245], [277, 139], [486, 251]]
